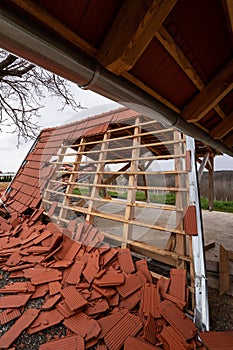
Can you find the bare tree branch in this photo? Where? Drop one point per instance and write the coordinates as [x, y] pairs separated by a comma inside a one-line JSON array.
[[23, 87]]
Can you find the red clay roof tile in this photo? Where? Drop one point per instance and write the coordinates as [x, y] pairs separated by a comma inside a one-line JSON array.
[[71, 342], [92, 266], [64, 309], [83, 325], [9, 315], [101, 347], [128, 325], [110, 278], [126, 261], [17, 287], [14, 301], [106, 323], [150, 330], [50, 302], [45, 320], [177, 286], [14, 259], [73, 298], [177, 319], [163, 284], [106, 292], [99, 306], [141, 265], [108, 255], [132, 343], [54, 288], [173, 339], [132, 283], [73, 251], [75, 272], [47, 275], [150, 300], [20, 325], [217, 340], [40, 291], [131, 301]]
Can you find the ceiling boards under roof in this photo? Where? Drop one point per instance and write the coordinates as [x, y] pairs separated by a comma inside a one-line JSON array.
[[173, 57]]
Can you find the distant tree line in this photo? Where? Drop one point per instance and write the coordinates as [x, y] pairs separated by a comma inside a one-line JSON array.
[[223, 185]]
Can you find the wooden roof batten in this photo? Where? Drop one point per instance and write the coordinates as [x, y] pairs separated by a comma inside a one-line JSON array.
[[204, 109]]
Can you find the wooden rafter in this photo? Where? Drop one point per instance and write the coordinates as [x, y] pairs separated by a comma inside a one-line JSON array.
[[53, 23], [131, 33], [217, 88], [228, 8], [223, 128], [173, 49]]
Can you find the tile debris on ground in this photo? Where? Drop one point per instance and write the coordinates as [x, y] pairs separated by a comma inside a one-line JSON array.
[[98, 294]]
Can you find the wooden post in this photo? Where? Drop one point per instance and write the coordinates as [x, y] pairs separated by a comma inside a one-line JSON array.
[[72, 179], [98, 177], [224, 280], [180, 239], [131, 196], [211, 183]]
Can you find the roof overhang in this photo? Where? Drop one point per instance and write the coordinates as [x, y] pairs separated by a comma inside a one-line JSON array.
[[145, 55]]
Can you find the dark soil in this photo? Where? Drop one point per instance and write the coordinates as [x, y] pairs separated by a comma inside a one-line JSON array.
[[220, 309]]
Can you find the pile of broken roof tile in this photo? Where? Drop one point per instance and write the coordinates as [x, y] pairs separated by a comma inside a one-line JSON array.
[[102, 297]]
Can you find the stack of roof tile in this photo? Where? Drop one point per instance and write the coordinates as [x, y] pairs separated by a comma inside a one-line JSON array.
[[98, 293]]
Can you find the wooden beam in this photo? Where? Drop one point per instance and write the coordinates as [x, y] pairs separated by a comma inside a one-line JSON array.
[[228, 8], [43, 16], [217, 88], [203, 165], [173, 49], [223, 128], [131, 32], [224, 280], [211, 185]]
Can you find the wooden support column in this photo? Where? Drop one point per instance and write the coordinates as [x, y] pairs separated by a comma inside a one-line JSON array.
[[211, 184], [180, 239], [50, 184], [72, 179], [131, 196], [98, 177]]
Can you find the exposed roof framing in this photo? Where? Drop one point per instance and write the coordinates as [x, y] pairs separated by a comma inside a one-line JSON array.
[[173, 56]]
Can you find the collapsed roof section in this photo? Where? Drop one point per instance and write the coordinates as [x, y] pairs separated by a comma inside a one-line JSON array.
[[126, 175]]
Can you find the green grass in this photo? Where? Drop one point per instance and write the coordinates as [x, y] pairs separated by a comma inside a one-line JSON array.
[[166, 198], [223, 206]]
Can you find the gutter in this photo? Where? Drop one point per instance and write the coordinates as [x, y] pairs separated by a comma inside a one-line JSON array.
[[24, 39]]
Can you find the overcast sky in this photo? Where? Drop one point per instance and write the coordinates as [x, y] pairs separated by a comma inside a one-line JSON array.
[[11, 157]]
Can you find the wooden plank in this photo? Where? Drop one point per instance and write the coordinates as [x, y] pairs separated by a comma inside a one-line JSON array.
[[209, 246], [214, 92], [53, 23], [223, 128], [211, 185], [131, 32], [98, 178], [173, 49], [180, 240], [203, 165], [153, 93], [224, 280], [131, 194], [228, 8]]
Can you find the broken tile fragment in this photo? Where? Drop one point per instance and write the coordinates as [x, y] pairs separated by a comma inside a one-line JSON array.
[[126, 261], [9, 315], [127, 325], [133, 343], [132, 283], [14, 301], [83, 325], [45, 320], [73, 298], [19, 326], [71, 342]]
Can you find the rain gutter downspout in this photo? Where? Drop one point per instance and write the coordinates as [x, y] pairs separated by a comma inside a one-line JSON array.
[[49, 52]]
